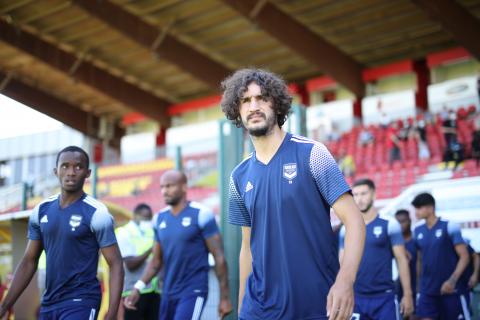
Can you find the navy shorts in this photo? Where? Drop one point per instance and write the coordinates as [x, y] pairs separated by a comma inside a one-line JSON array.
[[449, 306], [381, 306], [70, 313], [189, 307]]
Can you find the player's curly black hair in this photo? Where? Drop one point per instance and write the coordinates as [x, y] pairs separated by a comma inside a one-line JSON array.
[[272, 86]]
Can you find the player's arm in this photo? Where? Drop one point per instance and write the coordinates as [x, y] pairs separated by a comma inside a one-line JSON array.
[[406, 305], [128, 251], [134, 262], [215, 247], [152, 269], [23, 274], [115, 283], [341, 243], [340, 298], [419, 268], [472, 282], [245, 264], [463, 259]]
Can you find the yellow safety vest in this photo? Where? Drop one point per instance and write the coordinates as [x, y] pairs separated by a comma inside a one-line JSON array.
[[142, 242]]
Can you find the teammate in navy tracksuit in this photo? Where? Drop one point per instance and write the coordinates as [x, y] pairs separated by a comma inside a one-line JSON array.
[[403, 217], [469, 278], [443, 257], [185, 232], [374, 288], [72, 227], [281, 197]]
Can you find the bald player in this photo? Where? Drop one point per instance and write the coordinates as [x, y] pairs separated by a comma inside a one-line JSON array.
[[185, 232]]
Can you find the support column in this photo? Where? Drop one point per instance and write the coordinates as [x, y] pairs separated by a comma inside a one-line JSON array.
[[27, 304], [230, 154], [423, 80]]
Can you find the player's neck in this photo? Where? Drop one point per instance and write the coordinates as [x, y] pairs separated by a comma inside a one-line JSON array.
[[266, 146], [370, 215], [67, 198], [431, 220], [176, 209], [407, 236]]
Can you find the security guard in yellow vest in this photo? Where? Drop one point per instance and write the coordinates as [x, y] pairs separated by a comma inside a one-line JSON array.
[[135, 240]]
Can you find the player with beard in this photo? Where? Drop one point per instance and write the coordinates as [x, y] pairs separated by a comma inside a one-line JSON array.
[[185, 232], [374, 288], [281, 197], [72, 227]]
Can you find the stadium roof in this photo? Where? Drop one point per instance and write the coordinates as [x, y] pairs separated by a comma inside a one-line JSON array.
[[88, 62]]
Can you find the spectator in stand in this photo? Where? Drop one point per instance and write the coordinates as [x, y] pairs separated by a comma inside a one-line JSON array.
[[384, 120], [346, 164], [404, 128], [449, 127], [393, 142], [365, 137], [444, 113], [334, 135], [476, 139], [418, 132], [453, 149]]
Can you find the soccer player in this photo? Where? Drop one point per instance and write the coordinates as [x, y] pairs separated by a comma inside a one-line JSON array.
[[72, 227], [403, 217], [135, 240], [185, 232], [469, 278], [374, 288], [442, 258], [281, 197]]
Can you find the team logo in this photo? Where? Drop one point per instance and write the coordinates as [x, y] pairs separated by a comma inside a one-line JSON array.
[[420, 236], [44, 219], [186, 221], [249, 186], [75, 221], [163, 225], [438, 233], [290, 171], [377, 231]]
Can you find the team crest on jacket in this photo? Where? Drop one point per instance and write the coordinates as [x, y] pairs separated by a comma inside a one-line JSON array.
[[75, 221], [377, 231], [186, 221], [290, 171]]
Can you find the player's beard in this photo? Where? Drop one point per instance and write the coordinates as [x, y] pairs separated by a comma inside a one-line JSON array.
[[370, 204], [270, 122]]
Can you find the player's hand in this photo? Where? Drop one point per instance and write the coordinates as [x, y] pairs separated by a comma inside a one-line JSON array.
[[340, 300], [224, 308], [3, 312], [472, 282], [406, 305], [132, 300], [448, 287], [110, 316]]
